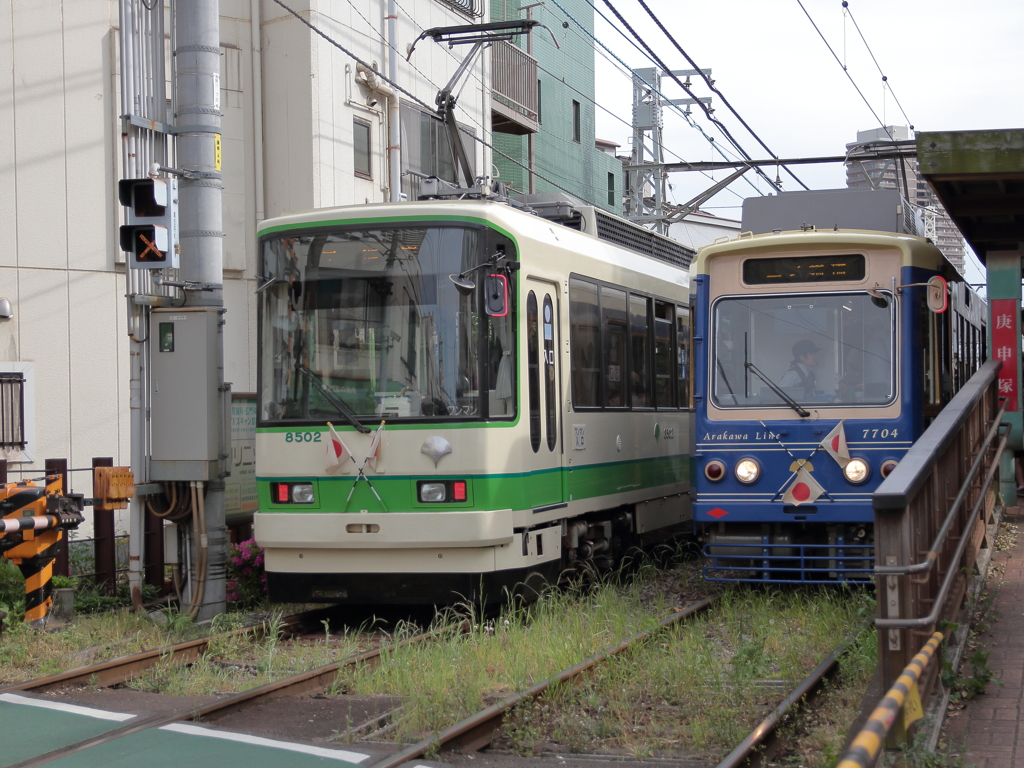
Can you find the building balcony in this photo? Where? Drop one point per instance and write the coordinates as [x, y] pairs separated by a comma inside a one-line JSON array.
[[515, 97]]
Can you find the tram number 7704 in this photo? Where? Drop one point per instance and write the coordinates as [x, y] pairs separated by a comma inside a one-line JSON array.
[[883, 433]]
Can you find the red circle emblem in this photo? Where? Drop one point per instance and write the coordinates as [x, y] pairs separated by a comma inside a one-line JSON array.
[[835, 443], [801, 492]]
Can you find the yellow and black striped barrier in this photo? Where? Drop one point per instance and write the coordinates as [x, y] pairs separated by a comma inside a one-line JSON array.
[[33, 519], [868, 744]]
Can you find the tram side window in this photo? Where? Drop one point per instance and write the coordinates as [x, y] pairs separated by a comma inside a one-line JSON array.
[[664, 378], [683, 355], [614, 324], [640, 344], [585, 342]]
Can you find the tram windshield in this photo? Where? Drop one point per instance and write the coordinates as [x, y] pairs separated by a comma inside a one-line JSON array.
[[364, 324], [804, 349]]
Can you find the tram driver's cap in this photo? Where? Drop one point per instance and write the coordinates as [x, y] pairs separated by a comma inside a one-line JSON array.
[[804, 347]]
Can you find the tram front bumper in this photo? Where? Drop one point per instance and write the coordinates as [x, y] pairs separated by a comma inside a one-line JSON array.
[[383, 530]]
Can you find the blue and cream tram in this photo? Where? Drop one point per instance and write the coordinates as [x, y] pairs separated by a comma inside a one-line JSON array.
[[818, 363]]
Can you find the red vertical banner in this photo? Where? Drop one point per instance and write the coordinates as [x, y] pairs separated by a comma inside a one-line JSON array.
[[1006, 347]]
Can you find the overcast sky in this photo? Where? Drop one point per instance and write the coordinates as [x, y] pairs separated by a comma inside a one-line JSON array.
[[953, 65]]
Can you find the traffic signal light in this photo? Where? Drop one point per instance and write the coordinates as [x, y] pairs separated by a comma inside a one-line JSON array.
[[151, 234]]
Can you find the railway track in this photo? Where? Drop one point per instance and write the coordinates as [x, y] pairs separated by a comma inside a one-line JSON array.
[[763, 743], [473, 733], [117, 671]]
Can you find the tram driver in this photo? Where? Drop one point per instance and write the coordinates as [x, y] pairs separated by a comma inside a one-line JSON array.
[[800, 379]]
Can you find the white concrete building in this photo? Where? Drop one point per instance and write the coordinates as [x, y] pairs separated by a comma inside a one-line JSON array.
[[324, 143]]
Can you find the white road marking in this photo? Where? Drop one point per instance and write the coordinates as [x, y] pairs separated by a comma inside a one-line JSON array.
[[71, 709], [334, 754]]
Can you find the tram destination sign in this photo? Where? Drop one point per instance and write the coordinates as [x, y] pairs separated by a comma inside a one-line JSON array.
[[803, 269]]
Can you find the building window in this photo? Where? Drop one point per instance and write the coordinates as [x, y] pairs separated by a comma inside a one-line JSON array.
[[17, 423], [361, 142], [611, 189], [540, 101], [576, 127], [426, 149], [12, 410]]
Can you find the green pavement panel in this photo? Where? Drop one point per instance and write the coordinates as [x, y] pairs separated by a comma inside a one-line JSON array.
[[33, 727], [184, 744]]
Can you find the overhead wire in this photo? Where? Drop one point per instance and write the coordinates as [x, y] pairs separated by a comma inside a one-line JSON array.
[[422, 103], [711, 140], [846, 71], [885, 80], [713, 88], [707, 111]]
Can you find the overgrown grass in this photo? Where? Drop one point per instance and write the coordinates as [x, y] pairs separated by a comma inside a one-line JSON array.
[[26, 653], [240, 663], [696, 688]]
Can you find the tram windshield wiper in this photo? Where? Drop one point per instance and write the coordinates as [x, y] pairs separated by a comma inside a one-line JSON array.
[[777, 390], [334, 399]]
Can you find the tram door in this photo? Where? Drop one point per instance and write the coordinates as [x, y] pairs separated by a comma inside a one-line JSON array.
[[543, 388]]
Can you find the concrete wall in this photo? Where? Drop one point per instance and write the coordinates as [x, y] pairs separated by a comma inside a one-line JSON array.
[[60, 147]]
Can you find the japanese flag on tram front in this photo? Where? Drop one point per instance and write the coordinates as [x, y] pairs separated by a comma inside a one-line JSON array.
[[835, 445], [803, 490], [374, 453], [336, 449]]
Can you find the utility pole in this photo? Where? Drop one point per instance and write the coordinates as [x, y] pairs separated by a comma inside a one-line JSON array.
[[648, 179], [531, 139], [179, 401], [198, 154]]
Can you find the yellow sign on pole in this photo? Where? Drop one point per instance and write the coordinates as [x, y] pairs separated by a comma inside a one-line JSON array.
[[216, 152], [912, 709]]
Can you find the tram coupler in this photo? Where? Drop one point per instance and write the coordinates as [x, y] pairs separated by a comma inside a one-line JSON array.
[[33, 519]]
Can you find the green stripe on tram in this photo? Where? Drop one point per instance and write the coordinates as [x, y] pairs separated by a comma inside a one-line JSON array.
[[522, 490]]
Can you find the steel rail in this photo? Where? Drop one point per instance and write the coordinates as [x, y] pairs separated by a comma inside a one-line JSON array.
[[320, 678], [115, 671], [952, 571], [476, 731], [766, 729], [926, 565], [865, 748]]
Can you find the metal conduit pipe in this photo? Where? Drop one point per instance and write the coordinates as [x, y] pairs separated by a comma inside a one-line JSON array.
[[370, 79], [394, 111]]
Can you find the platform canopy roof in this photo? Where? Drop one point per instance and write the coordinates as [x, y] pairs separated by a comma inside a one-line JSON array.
[[979, 177]]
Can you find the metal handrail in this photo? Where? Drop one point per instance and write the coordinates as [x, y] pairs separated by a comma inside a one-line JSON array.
[[914, 469], [932, 617], [926, 565], [865, 748]]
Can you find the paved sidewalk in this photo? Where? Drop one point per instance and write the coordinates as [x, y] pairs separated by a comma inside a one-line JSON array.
[[989, 728]]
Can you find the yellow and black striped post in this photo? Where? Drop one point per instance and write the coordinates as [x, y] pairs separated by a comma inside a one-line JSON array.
[[868, 744], [32, 520]]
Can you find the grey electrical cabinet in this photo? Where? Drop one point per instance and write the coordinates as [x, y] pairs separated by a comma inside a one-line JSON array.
[[186, 390]]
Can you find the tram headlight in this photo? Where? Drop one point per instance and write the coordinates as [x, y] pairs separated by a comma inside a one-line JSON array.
[[747, 471], [857, 471], [433, 493], [887, 467], [302, 493], [714, 470]]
